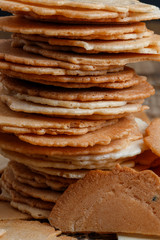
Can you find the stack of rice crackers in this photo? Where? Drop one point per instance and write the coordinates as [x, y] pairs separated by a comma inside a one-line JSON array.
[[67, 97]]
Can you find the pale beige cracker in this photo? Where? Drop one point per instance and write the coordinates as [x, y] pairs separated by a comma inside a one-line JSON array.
[[78, 46], [118, 75], [46, 13], [25, 26], [68, 104], [81, 172], [94, 59], [125, 6], [130, 18], [122, 17], [23, 106], [22, 89], [17, 55], [9, 213], [106, 161], [140, 91], [13, 119], [101, 137], [134, 34], [99, 46], [4, 65]]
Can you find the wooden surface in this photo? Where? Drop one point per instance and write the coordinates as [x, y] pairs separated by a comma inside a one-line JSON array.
[[149, 69]]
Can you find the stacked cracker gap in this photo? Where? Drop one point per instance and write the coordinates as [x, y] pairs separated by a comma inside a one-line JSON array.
[[68, 98]]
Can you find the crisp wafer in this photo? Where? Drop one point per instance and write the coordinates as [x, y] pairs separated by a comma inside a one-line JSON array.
[[140, 91], [12, 143], [152, 138], [24, 106], [17, 24], [125, 6], [17, 55], [48, 13], [101, 137], [93, 59], [21, 120], [93, 46], [43, 194], [119, 75]]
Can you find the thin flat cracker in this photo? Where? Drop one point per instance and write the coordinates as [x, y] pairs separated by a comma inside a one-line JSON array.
[[101, 46], [106, 161], [43, 194], [152, 136], [16, 24], [23, 106], [17, 7], [17, 55], [120, 76], [13, 119], [47, 70], [130, 18], [125, 6], [126, 36], [12, 143], [103, 136], [20, 170], [116, 85], [9, 213], [72, 131], [140, 91], [34, 212], [94, 59]]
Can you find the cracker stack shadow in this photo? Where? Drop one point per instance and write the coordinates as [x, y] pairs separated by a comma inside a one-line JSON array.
[[67, 98]]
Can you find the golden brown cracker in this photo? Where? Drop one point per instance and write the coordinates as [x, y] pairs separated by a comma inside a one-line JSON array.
[[152, 138], [110, 191]]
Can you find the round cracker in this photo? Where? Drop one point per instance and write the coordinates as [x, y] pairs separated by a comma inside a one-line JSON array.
[[13, 119], [17, 55], [16, 24], [140, 91], [125, 6], [102, 136], [113, 85], [23, 106], [119, 75], [94, 59]]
